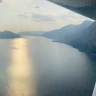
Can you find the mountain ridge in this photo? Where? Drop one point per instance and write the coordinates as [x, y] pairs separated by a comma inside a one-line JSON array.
[[82, 36]]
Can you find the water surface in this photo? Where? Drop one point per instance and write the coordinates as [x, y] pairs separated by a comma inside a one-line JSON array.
[[36, 66]]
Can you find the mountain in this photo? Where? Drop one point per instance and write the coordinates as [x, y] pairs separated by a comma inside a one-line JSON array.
[[67, 32], [86, 39], [32, 33], [82, 36], [8, 35]]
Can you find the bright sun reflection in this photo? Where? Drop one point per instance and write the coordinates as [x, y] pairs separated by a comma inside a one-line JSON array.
[[21, 72]]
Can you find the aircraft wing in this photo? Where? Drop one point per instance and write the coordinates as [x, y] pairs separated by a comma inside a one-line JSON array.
[[83, 7]]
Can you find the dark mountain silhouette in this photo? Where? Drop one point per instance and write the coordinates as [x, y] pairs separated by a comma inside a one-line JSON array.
[[8, 35], [86, 39], [67, 31]]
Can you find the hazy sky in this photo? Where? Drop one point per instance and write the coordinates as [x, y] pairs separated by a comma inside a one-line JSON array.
[[27, 15]]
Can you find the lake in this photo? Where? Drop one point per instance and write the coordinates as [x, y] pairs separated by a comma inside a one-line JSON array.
[[36, 66]]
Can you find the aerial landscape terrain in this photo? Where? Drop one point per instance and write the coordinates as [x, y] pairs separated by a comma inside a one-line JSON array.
[[47, 47], [82, 36]]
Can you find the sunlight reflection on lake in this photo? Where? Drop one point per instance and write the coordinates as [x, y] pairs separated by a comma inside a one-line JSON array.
[[20, 72]]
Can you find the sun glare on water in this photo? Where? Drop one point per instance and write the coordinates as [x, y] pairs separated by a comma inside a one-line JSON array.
[[21, 74]]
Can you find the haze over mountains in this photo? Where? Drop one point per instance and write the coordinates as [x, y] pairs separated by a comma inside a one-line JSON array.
[[67, 31], [32, 33], [82, 36]]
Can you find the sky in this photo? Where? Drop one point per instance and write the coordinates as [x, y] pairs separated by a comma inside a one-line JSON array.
[[35, 15]]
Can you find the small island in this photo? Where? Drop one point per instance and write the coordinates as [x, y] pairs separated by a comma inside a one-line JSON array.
[[9, 35]]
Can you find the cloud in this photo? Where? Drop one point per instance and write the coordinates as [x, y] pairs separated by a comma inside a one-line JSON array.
[[40, 14], [22, 15], [42, 17]]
